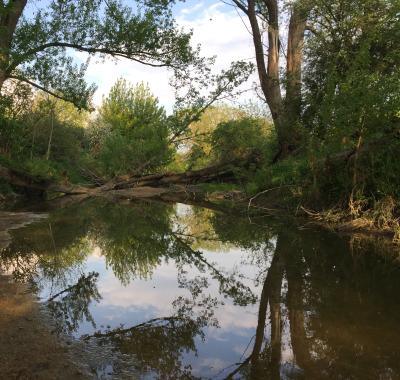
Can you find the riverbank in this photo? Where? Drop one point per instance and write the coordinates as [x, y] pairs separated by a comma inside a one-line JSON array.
[[28, 348], [381, 221]]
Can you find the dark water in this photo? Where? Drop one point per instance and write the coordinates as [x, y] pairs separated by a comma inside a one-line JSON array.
[[178, 292]]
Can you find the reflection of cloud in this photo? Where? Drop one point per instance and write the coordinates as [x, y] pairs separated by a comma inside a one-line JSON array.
[[241, 349], [228, 318], [96, 253], [212, 363], [162, 289], [158, 292]]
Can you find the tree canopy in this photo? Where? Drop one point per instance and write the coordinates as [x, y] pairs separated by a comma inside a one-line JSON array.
[[37, 43]]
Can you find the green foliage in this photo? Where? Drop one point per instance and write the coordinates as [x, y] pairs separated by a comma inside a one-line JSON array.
[[25, 137], [352, 97], [236, 139], [198, 139], [216, 187], [42, 168], [38, 49], [131, 131]]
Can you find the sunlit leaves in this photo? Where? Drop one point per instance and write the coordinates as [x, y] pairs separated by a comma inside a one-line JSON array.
[[42, 44]]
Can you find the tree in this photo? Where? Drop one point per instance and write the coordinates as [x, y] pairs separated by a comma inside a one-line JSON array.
[[198, 136], [35, 44], [239, 139], [133, 130], [264, 15], [352, 102]]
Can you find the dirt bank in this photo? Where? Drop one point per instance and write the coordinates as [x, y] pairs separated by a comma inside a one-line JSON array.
[[28, 349]]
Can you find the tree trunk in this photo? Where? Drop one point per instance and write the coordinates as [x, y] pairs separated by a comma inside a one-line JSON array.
[[9, 17], [268, 74], [285, 113], [271, 293], [290, 128], [3, 75], [153, 185], [51, 133]]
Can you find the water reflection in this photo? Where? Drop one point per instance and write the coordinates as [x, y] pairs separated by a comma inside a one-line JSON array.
[[188, 293]]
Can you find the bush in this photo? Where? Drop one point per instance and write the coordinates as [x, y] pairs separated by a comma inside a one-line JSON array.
[[236, 139]]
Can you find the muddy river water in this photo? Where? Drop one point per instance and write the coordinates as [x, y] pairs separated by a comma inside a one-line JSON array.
[[171, 291]]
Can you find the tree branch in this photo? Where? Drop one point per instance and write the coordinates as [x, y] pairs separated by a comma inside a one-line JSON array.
[[241, 6], [93, 50], [120, 331], [38, 86]]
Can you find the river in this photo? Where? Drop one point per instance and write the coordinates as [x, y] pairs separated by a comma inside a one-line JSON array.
[[172, 291]]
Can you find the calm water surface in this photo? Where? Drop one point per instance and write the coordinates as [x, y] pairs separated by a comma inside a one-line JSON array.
[[179, 292]]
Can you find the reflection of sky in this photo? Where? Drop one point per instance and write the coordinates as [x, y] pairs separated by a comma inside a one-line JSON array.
[[142, 300]]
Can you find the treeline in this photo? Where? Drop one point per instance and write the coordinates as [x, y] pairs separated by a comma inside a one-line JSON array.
[[129, 133], [49, 137]]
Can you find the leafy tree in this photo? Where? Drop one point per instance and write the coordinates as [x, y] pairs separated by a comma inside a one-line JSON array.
[[239, 138], [36, 42], [127, 107], [199, 133], [352, 86], [133, 128]]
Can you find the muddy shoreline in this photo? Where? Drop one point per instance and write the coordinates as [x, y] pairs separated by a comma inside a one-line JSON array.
[[28, 348]]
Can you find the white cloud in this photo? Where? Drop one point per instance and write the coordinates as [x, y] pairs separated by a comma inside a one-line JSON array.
[[192, 9], [219, 30]]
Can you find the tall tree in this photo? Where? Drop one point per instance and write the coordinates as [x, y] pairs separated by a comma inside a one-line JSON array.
[[36, 42], [282, 96]]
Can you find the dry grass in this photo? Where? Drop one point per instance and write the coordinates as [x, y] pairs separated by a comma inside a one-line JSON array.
[[382, 218]]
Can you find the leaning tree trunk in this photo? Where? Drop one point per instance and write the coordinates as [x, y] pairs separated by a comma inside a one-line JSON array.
[[131, 186]]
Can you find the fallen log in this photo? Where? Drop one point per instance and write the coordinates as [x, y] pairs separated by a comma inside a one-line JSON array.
[[224, 172], [131, 186]]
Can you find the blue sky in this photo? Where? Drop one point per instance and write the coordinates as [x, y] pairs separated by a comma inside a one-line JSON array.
[[216, 26]]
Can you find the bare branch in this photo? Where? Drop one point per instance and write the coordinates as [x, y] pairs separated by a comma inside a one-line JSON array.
[[240, 4]]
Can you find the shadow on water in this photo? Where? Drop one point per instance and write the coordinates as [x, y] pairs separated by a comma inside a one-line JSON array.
[[188, 293]]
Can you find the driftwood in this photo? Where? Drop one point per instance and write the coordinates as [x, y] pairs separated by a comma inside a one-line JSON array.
[[224, 172], [130, 186]]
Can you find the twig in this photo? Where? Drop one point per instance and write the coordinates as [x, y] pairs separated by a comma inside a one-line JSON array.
[[264, 192]]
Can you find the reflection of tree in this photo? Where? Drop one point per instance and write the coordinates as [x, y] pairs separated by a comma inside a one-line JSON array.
[[70, 306], [229, 285], [158, 345], [136, 238], [332, 311], [31, 263], [132, 237], [264, 360], [341, 309], [196, 224]]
